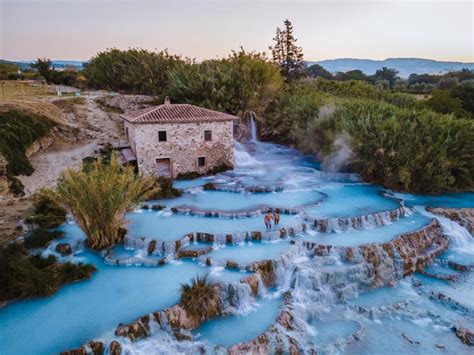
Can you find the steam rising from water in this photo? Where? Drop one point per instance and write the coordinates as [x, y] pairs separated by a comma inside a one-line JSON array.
[[338, 160]]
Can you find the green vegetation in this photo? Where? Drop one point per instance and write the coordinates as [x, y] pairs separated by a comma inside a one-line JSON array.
[[41, 238], [48, 213], [135, 71], [286, 53], [164, 189], [245, 81], [68, 76], [23, 276], [18, 130], [397, 143], [200, 298], [99, 197]]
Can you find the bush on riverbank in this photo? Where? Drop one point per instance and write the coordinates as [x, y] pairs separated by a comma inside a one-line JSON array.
[[48, 213], [99, 197], [411, 149], [23, 276], [41, 238], [164, 189]]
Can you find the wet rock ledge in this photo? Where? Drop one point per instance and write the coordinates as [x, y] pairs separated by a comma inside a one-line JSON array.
[[462, 216]]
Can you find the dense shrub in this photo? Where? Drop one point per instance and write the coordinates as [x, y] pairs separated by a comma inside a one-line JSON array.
[[443, 101], [18, 131], [99, 197], [41, 238], [23, 276], [164, 189], [135, 71], [404, 148], [200, 298], [243, 81], [362, 90], [48, 213]]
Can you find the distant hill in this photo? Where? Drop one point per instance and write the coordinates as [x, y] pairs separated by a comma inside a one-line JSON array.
[[25, 64], [405, 66]]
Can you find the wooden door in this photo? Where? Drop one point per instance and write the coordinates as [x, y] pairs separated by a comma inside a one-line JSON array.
[[163, 167]]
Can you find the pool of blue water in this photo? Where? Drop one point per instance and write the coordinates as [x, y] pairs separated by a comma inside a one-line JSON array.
[[449, 199], [249, 252], [345, 200], [381, 234], [385, 296], [168, 227], [93, 308], [231, 330], [85, 310], [231, 201]]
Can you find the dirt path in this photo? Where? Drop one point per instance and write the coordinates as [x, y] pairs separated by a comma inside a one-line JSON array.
[[88, 125], [91, 126]]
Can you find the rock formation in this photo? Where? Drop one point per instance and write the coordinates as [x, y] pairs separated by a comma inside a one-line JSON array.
[[463, 216]]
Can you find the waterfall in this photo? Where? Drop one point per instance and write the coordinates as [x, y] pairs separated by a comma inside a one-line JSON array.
[[459, 236], [242, 158], [252, 127]]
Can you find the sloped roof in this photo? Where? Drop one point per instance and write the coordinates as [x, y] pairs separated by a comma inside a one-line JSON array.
[[176, 113]]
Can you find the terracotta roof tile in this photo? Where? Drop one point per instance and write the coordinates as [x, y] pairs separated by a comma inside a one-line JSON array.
[[176, 113]]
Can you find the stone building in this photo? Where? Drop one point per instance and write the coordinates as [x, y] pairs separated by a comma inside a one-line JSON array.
[[172, 139]]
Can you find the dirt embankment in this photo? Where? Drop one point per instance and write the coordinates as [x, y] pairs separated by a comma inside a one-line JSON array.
[[82, 124]]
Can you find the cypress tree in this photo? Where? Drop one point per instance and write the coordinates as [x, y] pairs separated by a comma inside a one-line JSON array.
[[286, 53]]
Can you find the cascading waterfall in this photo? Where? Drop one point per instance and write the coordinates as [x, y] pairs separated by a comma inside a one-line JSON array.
[[460, 237], [252, 127], [242, 158]]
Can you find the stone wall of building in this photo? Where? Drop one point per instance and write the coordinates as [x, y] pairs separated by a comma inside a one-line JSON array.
[[185, 143]]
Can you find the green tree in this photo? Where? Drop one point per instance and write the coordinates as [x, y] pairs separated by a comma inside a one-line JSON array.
[[448, 83], [286, 53], [391, 75], [133, 71], [465, 94], [443, 102], [352, 75], [245, 81], [44, 67], [99, 197], [317, 71]]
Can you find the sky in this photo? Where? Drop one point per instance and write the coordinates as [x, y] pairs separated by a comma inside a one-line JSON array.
[[78, 29]]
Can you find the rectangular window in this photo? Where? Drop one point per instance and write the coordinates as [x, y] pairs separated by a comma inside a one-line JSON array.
[[161, 136], [201, 161], [208, 136]]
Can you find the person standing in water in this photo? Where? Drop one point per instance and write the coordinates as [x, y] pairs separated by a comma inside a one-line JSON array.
[[268, 220], [276, 216]]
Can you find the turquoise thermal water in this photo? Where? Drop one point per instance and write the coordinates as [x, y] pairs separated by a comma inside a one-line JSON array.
[[93, 308], [351, 200], [231, 201], [375, 235], [231, 330], [250, 252], [84, 310], [168, 227]]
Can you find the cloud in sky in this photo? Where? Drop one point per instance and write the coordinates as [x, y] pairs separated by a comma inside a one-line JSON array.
[[77, 29]]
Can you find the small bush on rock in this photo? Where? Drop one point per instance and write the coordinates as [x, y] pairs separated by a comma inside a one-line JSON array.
[[200, 298]]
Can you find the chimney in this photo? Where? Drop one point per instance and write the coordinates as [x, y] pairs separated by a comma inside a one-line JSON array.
[[167, 101]]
